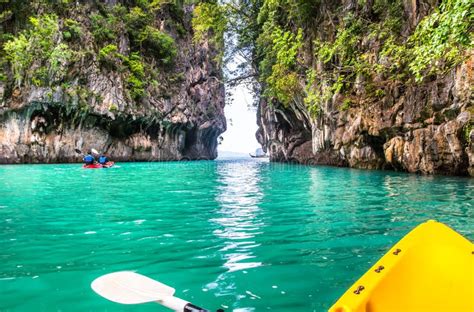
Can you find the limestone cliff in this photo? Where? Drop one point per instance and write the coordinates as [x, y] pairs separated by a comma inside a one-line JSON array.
[[360, 99], [123, 77]]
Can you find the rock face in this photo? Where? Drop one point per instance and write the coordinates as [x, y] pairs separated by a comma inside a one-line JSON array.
[[421, 128], [180, 116]]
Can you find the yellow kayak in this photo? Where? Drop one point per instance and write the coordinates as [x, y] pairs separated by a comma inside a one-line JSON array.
[[430, 269]]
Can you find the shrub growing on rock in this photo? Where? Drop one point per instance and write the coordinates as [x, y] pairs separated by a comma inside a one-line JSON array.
[[39, 45], [109, 56], [158, 44]]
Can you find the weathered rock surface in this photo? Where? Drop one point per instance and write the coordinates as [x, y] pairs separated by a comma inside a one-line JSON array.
[[181, 118], [425, 129], [416, 127]]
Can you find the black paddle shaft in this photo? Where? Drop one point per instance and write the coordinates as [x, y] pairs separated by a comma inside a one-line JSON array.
[[192, 308]]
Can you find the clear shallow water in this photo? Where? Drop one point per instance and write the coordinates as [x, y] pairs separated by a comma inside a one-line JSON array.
[[241, 234]]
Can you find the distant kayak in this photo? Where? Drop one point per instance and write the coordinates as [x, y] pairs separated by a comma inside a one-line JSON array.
[[99, 166], [430, 269]]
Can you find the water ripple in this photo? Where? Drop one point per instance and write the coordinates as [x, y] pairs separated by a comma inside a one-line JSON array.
[[245, 235]]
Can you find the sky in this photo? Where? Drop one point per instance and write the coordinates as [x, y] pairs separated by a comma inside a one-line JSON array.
[[241, 123]]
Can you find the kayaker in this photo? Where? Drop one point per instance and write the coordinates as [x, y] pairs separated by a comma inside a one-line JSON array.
[[88, 159], [103, 159]]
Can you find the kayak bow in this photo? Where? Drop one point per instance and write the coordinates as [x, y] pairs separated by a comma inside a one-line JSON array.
[[430, 269]]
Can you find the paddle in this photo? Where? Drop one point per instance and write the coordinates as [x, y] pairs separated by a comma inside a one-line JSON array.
[[93, 151], [132, 288]]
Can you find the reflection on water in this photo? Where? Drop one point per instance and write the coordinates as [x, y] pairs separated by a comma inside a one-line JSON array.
[[238, 196], [238, 223]]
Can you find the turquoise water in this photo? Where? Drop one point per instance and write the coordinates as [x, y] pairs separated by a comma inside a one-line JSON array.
[[241, 234]]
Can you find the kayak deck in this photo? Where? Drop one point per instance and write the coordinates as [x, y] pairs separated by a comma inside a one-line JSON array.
[[430, 269]]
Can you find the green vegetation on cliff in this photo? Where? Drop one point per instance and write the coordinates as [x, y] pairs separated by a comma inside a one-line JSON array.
[[209, 19], [37, 44], [441, 38], [137, 39], [309, 51], [297, 55]]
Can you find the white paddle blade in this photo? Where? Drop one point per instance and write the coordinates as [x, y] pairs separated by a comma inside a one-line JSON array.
[[94, 151], [130, 288]]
